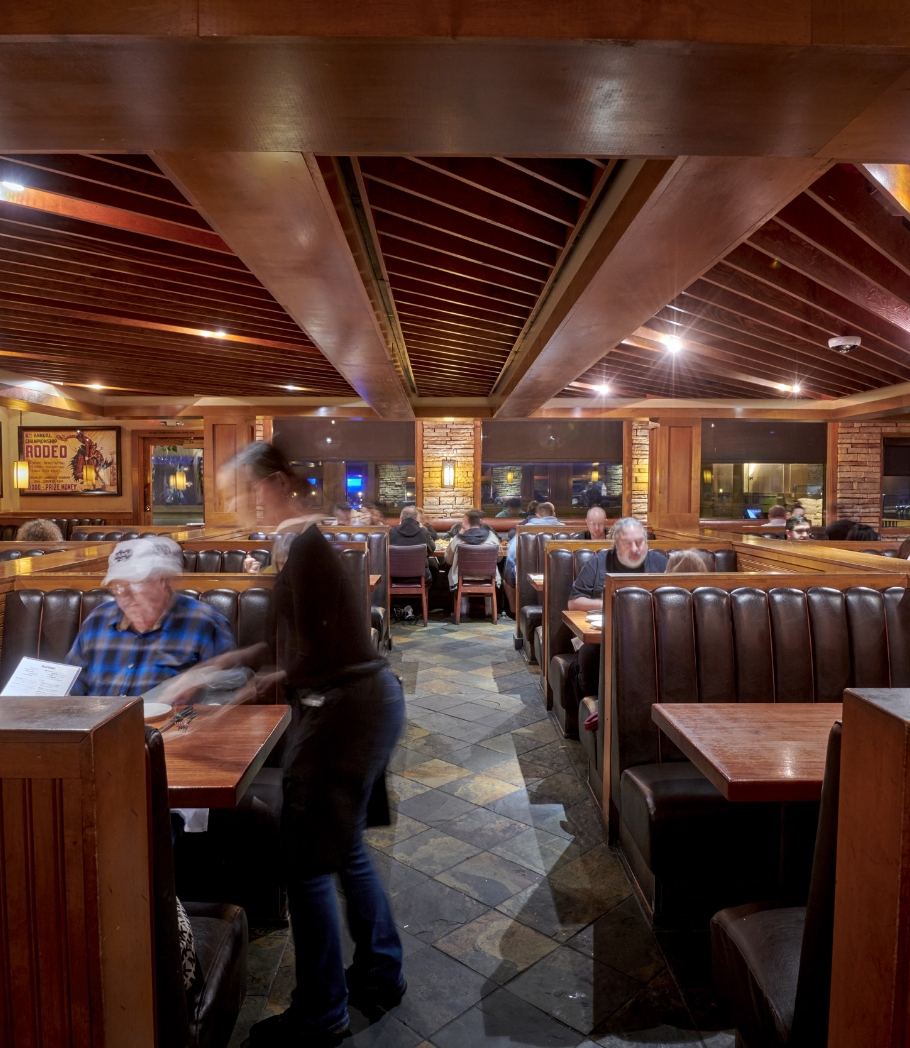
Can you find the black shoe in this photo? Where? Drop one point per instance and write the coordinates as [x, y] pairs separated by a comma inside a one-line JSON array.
[[373, 1002], [281, 1031]]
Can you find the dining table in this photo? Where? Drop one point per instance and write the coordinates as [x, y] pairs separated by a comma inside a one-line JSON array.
[[578, 623], [536, 582], [214, 759]]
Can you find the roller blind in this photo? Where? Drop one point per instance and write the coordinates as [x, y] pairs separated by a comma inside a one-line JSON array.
[[748, 440], [555, 441], [351, 440]]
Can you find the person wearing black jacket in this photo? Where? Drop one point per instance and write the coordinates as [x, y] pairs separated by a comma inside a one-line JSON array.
[[347, 715], [410, 532]]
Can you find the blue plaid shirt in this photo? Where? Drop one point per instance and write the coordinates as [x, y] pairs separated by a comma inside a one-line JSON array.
[[116, 660]]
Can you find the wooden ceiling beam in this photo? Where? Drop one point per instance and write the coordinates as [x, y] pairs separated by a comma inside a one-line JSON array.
[[273, 209], [658, 240], [463, 199]]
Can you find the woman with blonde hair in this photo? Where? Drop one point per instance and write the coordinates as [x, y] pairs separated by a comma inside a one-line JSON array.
[[686, 560]]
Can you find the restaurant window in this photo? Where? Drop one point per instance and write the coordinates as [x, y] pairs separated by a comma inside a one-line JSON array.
[[748, 466], [896, 482], [350, 460], [176, 490], [574, 465]]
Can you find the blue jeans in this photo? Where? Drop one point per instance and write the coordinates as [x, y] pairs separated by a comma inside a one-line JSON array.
[[321, 997]]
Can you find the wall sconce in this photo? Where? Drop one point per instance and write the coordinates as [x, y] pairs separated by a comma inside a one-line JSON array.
[[177, 481], [20, 474], [448, 473], [510, 476], [707, 476], [595, 476], [89, 475]]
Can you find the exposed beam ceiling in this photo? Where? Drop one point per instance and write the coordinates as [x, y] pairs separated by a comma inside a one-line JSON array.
[[274, 211]]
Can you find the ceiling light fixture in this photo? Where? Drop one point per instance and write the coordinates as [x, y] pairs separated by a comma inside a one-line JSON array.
[[206, 334], [220, 334], [603, 390], [674, 344], [95, 385], [293, 389], [796, 387], [14, 186]]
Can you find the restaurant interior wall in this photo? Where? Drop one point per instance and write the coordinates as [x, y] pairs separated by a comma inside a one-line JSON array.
[[573, 464], [749, 465], [862, 486]]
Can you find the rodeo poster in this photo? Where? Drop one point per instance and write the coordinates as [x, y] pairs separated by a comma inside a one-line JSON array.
[[71, 461]]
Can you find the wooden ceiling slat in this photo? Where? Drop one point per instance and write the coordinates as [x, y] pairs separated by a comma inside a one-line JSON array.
[[463, 199], [477, 320], [509, 184], [39, 176], [453, 283], [788, 331], [388, 200], [397, 240], [95, 168], [653, 383], [572, 176], [742, 347], [456, 300], [465, 339]]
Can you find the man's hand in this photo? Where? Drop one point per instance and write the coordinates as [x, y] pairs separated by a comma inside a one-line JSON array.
[[251, 565]]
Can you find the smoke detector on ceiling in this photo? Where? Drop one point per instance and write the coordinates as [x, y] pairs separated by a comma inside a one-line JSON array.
[[844, 343]]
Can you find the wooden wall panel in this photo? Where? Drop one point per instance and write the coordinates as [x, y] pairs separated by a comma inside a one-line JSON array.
[[228, 499], [676, 467]]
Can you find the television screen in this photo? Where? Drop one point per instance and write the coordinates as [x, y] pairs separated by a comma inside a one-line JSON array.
[[753, 512], [355, 483]]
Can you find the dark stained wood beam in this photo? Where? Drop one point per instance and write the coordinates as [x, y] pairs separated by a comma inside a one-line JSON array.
[[270, 208], [670, 224]]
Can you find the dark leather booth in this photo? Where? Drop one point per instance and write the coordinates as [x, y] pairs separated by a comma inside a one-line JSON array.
[[229, 561], [377, 540], [685, 844], [529, 553], [66, 525], [204, 1015]]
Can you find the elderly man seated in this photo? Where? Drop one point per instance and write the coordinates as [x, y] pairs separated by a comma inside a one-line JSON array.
[[148, 633], [630, 553]]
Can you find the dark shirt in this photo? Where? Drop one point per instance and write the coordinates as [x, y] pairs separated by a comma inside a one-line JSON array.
[[410, 532], [590, 580]]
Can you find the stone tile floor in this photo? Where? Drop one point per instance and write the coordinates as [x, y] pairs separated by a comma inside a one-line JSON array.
[[519, 925]]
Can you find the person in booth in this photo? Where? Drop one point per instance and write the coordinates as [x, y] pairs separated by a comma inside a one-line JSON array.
[[544, 516], [798, 529], [630, 553], [596, 519], [777, 517]]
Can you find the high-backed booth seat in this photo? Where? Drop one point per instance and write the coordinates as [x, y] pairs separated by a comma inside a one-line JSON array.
[[17, 554], [772, 960], [556, 640], [881, 552], [529, 551], [682, 839], [65, 524], [378, 544], [230, 561], [204, 1015]]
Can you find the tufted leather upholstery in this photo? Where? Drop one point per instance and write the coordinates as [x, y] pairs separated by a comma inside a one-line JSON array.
[[44, 623], [710, 645], [772, 962], [529, 551], [204, 1016], [377, 540]]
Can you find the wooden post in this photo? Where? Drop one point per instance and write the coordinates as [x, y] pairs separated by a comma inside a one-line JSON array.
[[478, 460], [831, 513], [871, 962], [227, 498], [76, 951], [676, 468], [627, 469]]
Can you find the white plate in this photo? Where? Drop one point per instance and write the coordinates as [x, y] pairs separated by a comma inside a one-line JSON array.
[[595, 620], [156, 709]]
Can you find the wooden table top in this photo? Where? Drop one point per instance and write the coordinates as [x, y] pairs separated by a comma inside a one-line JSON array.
[[578, 623], [754, 751], [536, 582], [213, 762], [374, 581]]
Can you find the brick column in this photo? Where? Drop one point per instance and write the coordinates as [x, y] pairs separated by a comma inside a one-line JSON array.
[[640, 465], [448, 440], [859, 471]]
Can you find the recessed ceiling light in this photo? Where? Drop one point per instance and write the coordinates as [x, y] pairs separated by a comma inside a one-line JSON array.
[[220, 334], [206, 334], [796, 387], [603, 390], [14, 186], [95, 385], [674, 344], [293, 389]]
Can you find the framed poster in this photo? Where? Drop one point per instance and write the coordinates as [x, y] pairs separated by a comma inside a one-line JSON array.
[[71, 461]]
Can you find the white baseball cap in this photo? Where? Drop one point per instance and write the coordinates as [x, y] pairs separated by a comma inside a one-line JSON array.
[[137, 559]]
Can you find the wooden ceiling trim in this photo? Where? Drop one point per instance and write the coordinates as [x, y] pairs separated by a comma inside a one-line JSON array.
[[465, 199], [742, 346], [116, 218], [787, 331]]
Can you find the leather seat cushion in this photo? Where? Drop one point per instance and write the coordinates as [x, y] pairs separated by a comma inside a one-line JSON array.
[[220, 933], [529, 618], [755, 953], [683, 826]]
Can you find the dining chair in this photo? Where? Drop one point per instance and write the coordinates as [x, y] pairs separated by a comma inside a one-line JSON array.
[[476, 575], [408, 574]]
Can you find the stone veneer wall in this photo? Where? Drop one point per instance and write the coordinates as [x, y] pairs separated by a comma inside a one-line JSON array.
[[859, 468], [448, 440], [641, 451]]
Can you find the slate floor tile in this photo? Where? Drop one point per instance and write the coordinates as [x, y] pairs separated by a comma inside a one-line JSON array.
[[434, 772], [597, 874], [562, 787], [510, 744], [476, 758], [469, 711], [400, 789], [655, 1015], [433, 851], [623, 939], [483, 828], [511, 770], [388, 1032], [403, 758], [434, 702], [385, 837], [496, 946], [575, 989], [489, 878], [435, 807], [432, 910], [395, 876], [552, 910], [480, 789], [502, 1020], [540, 851], [439, 989]]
